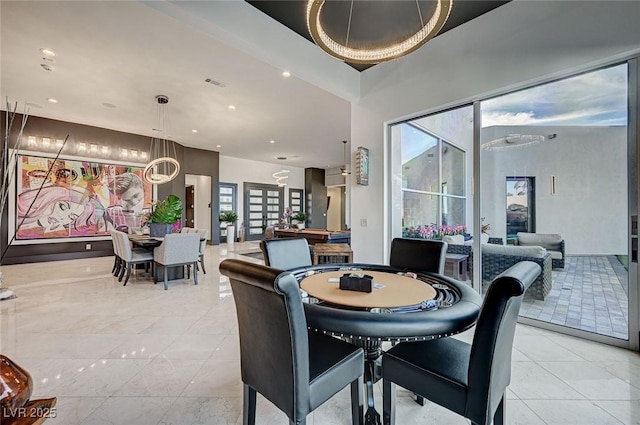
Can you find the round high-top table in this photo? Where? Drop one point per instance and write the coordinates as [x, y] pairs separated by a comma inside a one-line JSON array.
[[399, 308]]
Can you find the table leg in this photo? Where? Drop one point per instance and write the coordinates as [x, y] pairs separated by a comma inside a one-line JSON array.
[[372, 351]]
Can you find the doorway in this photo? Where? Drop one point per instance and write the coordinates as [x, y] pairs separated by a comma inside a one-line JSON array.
[[264, 205], [197, 203], [520, 206]]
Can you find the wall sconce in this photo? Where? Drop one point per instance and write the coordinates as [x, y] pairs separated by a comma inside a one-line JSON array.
[[82, 147], [124, 153], [105, 150], [133, 153], [553, 185], [31, 142], [46, 142], [93, 148], [59, 144], [143, 155]]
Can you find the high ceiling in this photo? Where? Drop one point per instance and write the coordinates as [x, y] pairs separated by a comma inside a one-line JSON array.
[[113, 58], [291, 13]]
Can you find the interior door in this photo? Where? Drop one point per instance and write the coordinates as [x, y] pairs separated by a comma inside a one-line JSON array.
[[263, 207], [189, 206]]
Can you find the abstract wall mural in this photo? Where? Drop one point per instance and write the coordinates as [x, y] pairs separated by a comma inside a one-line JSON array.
[[78, 198]]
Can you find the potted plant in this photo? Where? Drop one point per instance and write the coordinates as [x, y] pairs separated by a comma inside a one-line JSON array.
[[164, 215], [301, 217], [229, 217]]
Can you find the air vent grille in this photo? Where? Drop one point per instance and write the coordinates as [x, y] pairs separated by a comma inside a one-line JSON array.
[[215, 83]]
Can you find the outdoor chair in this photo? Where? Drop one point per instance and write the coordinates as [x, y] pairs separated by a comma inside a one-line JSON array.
[[468, 379], [295, 368]]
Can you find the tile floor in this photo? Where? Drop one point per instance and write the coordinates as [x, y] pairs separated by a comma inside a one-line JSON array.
[[140, 355], [589, 293]]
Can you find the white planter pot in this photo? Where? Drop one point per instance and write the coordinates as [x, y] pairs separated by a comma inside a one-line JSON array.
[[231, 235]]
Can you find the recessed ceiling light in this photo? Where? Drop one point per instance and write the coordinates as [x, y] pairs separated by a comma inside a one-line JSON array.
[[194, 131], [218, 146], [232, 107], [286, 74], [281, 158], [47, 67], [47, 52], [52, 100], [272, 141]]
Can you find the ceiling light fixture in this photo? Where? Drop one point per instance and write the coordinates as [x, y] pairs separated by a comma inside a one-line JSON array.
[[345, 169], [218, 146], [513, 141], [286, 74], [334, 39], [52, 100], [232, 107], [47, 52], [280, 177], [163, 165], [194, 131], [272, 141]]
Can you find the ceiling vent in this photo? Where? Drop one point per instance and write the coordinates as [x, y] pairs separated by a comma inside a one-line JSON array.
[[215, 83]]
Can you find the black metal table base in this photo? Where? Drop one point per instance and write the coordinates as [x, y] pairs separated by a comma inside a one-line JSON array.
[[372, 352]]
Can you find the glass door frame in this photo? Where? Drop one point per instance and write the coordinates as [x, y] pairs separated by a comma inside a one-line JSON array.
[[633, 160]]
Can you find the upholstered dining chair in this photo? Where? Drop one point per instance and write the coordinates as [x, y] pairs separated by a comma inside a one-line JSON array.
[[204, 233], [286, 253], [129, 257], [295, 368], [178, 249], [468, 379], [116, 253], [418, 255]]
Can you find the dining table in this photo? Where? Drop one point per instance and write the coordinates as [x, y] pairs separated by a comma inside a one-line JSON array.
[[402, 306]]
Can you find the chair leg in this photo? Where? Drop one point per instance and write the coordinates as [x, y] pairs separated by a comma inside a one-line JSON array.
[[129, 267], [115, 264], [202, 264], [123, 269], [189, 271], [248, 405], [388, 402], [164, 272], [501, 412], [357, 405], [195, 272], [118, 268]]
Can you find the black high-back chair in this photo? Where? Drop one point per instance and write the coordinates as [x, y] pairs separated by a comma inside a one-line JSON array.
[[286, 253], [468, 379], [295, 369], [418, 255]]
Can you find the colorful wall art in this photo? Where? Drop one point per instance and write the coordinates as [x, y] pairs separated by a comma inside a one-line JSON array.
[[71, 198]]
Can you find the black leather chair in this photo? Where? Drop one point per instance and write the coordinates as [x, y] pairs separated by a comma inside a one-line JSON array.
[[286, 253], [295, 369], [418, 255], [468, 379]]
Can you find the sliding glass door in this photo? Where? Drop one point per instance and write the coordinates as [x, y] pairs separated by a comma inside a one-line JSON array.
[[547, 173]]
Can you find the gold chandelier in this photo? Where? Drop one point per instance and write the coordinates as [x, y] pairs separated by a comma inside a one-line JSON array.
[[163, 165], [372, 55]]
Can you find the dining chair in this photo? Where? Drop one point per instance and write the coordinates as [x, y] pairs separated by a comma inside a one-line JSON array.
[[185, 230], [418, 255], [286, 253], [178, 249], [204, 233], [116, 253], [295, 368], [468, 379], [130, 257]]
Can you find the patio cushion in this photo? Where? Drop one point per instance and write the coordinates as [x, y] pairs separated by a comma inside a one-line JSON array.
[[454, 239], [521, 251], [547, 240]]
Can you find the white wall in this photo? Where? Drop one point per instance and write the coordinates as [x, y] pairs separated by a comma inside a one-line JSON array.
[[522, 41], [334, 212], [239, 171], [589, 207], [201, 200]]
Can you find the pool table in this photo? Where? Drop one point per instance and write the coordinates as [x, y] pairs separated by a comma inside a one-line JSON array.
[[314, 236]]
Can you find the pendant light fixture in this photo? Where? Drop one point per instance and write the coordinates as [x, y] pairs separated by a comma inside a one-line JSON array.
[[369, 32], [345, 170], [163, 165]]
